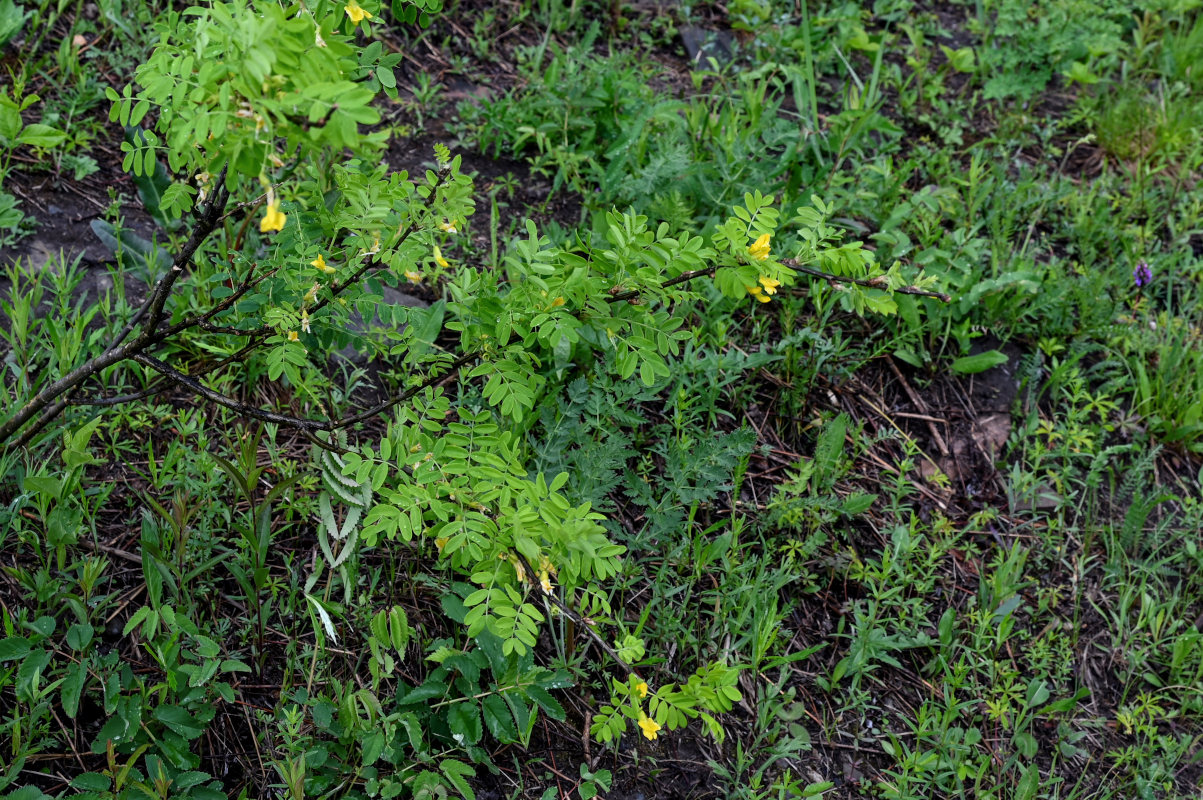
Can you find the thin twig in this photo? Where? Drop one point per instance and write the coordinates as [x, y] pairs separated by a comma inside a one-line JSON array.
[[684, 277], [227, 402], [582, 623], [872, 283], [451, 371]]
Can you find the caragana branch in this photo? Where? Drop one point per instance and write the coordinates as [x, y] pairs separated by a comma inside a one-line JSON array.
[[50, 400]]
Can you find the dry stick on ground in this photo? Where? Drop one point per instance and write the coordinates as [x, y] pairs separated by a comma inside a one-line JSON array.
[[582, 623], [920, 406]]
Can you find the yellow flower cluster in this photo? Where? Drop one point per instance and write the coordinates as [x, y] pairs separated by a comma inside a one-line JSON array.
[[767, 287], [356, 13], [648, 725], [273, 217], [322, 266], [759, 249]]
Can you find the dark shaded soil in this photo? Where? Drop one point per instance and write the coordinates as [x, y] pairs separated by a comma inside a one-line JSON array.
[[519, 194], [64, 209]]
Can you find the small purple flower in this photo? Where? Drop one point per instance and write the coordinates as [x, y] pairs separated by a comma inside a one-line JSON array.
[[1142, 275]]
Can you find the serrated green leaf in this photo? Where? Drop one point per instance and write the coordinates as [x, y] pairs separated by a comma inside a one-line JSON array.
[[457, 772], [13, 647], [72, 688], [545, 701], [498, 719], [79, 636], [464, 721]]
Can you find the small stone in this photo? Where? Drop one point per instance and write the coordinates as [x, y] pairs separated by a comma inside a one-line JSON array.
[[79, 40], [702, 44]]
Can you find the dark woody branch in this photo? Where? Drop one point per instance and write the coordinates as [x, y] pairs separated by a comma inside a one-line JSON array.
[[47, 404], [54, 397], [243, 409], [58, 395], [872, 283]]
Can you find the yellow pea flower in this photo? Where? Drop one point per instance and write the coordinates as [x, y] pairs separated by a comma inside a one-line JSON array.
[[756, 292], [448, 227], [649, 725], [292, 336], [760, 248], [559, 301], [311, 295], [438, 258], [545, 582], [320, 263], [770, 285], [305, 320], [356, 13], [414, 277], [441, 542], [641, 687], [273, 218]]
